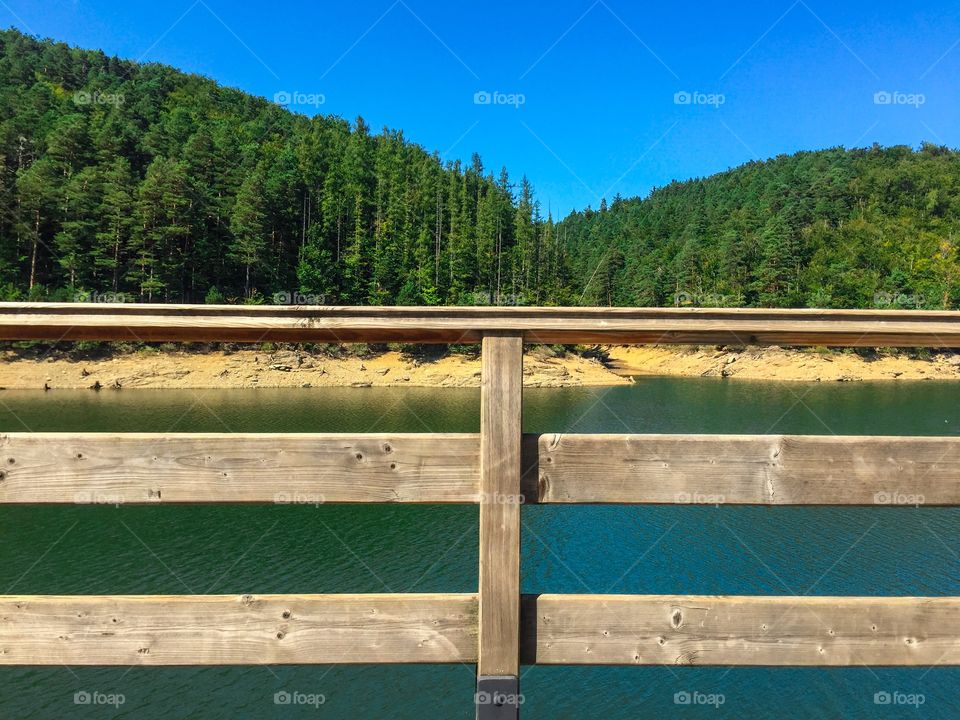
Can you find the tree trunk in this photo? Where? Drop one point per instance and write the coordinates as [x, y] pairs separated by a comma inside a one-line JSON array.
[[33, 252]]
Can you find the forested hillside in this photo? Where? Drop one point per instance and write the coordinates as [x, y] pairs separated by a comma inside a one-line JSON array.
[[835, 228], [119, 177], [139, 182]]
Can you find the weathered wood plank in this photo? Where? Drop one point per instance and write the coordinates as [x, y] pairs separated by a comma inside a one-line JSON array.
[[304, 468], [237, 630], [111, 468], [434, 628], [86, 321], [744, 469], [500, 434], [727, 630]]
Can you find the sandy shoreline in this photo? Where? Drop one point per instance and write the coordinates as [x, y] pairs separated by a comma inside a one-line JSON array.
[[286, 368], [774, 363], [542, 368]]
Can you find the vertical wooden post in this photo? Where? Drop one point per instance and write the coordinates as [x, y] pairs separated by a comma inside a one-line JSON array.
[[498, 663]]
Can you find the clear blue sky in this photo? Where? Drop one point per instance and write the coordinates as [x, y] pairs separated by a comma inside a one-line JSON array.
[[598, 79]]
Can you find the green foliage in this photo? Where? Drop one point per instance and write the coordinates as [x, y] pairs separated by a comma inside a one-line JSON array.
[[213, 296], [875, 227], [144, 181], [140, 179]]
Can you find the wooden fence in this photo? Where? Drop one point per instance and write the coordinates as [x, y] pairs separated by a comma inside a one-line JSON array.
[[498, 469]]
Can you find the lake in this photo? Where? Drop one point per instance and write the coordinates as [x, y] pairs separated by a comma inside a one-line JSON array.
[[573, 549]]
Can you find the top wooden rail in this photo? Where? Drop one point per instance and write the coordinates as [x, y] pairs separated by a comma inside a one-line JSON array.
[[298, 323]]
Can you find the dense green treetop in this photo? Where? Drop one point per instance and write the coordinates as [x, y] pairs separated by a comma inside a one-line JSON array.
[[139, 181], [876, 227]]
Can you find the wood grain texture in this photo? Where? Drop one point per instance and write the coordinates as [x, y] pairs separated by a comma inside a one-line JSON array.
[[237, 630], [500, 434], [727, 630], [111, 468], [133, 321], [744, 469]]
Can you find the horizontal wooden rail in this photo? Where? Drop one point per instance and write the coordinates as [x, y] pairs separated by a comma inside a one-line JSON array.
[[111, 468], [130, 468], [442, 628], [737, 630], [244, 323], [742, 469], [237, 630]]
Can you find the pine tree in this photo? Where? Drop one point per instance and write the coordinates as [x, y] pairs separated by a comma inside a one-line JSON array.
[[527, 252], [163, 224], [114, 226], [247, 223], [778, 274], [36, 203], [75, 240]]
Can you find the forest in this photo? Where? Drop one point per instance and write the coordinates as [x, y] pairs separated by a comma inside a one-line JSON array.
[[139, 183], [875, 227]]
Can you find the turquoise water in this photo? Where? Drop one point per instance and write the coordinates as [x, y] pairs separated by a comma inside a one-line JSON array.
[[577, 549]]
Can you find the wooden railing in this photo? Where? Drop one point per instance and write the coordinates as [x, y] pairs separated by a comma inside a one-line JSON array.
[[499, 468]]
